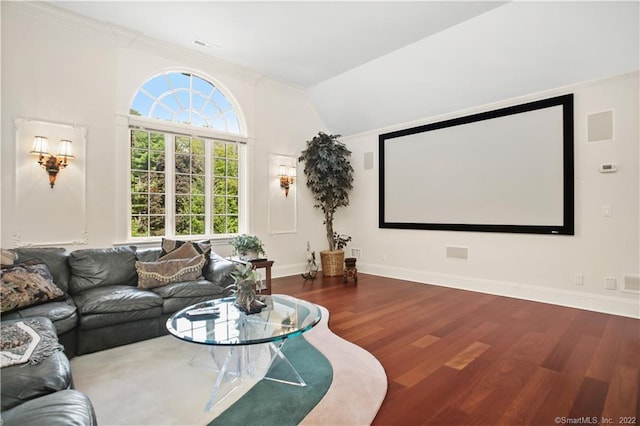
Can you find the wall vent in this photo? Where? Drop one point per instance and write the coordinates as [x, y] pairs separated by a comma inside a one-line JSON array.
[[457, 252]]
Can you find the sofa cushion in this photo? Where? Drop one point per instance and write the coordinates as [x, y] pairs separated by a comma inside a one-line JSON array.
[[115, 299], [67, 407], [62, 313], [163, 272], [190, 289], [148, 254], [20, 383], [56, 259], [27, 284], [93, 268], [108, 320], [219, 270]]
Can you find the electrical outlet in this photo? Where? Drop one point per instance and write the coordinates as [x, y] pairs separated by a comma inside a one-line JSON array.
[[579, 279], [356, 252], [610, 283]]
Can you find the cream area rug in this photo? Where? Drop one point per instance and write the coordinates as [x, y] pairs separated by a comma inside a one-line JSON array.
[[166, 381]]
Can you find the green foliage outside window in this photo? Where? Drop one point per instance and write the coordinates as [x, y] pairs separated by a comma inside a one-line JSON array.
[[148, 185]]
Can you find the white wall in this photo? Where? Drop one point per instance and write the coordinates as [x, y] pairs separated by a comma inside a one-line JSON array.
[[62, 68], [538, 267]]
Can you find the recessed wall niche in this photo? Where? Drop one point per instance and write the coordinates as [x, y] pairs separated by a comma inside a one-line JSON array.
[[49, 216]]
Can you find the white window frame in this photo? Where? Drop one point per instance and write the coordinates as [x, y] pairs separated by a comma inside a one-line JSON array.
[[152, 125]]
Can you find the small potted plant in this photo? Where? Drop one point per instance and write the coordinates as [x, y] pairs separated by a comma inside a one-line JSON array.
[[245, 281], [247, 246]]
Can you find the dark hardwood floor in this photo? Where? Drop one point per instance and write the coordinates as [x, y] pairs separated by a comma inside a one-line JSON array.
[[463, 358]]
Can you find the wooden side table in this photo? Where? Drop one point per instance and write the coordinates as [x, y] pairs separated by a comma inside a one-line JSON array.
[[257, 264]]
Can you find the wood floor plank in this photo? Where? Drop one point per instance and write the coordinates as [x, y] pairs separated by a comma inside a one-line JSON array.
[[467, 356], [539, 361], [523, 408], [601, 366], [622, 398], [590, 399]]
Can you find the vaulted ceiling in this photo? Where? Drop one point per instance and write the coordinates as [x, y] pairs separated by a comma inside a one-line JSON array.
[[368, 65]]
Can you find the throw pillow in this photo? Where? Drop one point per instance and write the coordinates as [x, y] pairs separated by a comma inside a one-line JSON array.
[[185, 251], [7, 257], [202, 247], [27, 284], [156, 274]]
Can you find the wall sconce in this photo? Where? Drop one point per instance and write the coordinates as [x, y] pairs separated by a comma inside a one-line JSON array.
[[52, 164], [287, 176]]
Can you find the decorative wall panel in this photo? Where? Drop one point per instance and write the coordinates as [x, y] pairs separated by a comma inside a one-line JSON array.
[[49, 216]]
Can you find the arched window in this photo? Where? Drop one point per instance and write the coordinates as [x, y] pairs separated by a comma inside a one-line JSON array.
[[186, 159], [186, 98]]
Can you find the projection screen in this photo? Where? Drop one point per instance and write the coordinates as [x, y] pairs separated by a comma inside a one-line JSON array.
[[506, 170]]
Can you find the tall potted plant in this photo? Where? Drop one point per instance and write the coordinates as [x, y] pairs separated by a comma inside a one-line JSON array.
[[329, 175]]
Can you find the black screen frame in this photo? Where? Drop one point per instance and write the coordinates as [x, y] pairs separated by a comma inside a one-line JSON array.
[[566, 228]]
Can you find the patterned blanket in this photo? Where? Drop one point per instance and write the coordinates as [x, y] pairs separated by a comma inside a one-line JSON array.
[[26, 341]]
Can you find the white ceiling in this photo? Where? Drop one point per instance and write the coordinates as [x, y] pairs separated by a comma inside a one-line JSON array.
[[301, 42]]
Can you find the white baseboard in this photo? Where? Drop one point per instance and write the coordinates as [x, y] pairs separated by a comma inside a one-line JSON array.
[[592, 302], [627, 307]]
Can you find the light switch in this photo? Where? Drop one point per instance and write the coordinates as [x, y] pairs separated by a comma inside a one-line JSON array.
[[606, 210]]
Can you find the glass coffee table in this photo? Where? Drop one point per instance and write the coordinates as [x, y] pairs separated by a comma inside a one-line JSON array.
[[235, 339]]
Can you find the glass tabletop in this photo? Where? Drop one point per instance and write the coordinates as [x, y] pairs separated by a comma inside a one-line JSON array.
[[283, 317]]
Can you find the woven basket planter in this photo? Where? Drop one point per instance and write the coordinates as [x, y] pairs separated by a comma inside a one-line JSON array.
[[332, 262]]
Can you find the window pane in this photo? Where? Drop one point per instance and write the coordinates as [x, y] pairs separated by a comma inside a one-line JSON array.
[[139, 204], [182, 145], [219, 205], [182, 204], [197, 205], [197, 185], [156, 160], [139, 139], [139, 159], [139, 226], [232, 151], [232, 205], [232, 186], [197, 164], [197, 225], [219, 225], [182, 163], [156, 182], [157, 226], [197, 146], [182, 225], [232, 168], [232, 224], [220, 167], [139, 182], [183, 184], [156, 141], [156, 204]]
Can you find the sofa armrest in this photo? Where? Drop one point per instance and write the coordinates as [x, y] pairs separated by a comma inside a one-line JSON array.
[[218, 270]]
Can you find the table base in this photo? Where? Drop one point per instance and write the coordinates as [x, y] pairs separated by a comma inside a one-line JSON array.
[[236, 364]]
